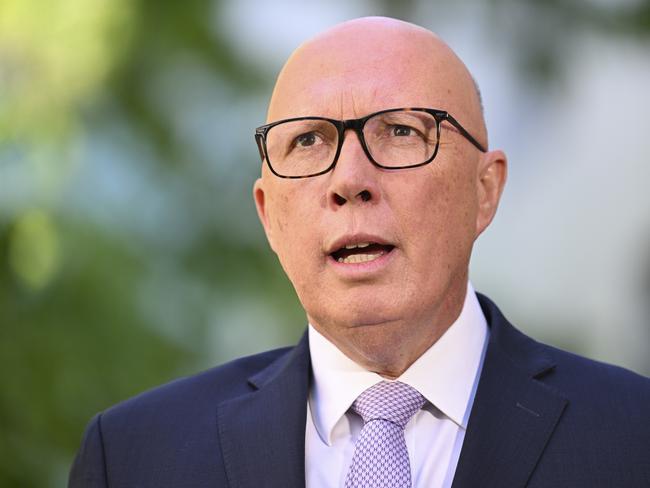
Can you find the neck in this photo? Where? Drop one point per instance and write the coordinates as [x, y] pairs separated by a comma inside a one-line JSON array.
[[389, 348]]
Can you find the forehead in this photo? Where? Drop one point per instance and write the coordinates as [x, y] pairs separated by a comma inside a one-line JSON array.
[[341, 78]]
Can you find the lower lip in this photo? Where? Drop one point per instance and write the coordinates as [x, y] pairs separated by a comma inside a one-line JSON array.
[[361, 270]]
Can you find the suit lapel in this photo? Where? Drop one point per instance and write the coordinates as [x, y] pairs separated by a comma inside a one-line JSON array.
[[514, 414], [263, 433]]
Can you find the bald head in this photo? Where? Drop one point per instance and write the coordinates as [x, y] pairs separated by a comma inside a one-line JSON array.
[[374, 63]]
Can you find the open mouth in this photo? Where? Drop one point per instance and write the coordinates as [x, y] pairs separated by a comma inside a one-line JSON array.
[[362, 252]]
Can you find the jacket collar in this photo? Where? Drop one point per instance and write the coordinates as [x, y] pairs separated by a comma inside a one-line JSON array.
[[514, 413], [262, 433]]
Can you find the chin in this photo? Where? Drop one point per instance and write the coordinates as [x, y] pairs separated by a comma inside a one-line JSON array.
[[367, 309], [337, 308], [354, 318]]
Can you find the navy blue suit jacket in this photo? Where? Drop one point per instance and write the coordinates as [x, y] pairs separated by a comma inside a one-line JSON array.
[[541, 418]]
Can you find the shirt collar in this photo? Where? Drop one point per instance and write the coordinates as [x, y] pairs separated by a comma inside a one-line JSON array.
[[445, 374]]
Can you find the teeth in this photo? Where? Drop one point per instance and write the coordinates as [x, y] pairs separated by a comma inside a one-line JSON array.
[[360, 258], [354, 246]]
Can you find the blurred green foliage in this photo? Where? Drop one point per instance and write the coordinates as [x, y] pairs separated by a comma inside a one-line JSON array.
[[126, 223], [81, 294]]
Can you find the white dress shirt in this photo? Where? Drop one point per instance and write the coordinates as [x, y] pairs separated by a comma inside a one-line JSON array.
[[446, 375]]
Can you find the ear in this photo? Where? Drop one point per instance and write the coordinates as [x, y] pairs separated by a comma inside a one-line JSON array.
[[262, 210], [492, 174]]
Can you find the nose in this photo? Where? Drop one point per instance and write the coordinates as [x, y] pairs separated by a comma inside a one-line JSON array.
[[354, 178]]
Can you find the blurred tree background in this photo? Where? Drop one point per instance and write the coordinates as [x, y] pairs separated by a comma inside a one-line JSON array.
[[130, 251]]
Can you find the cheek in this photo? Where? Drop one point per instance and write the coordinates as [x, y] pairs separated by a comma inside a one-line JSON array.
[[294, 230], [442, 229], [280, 218]]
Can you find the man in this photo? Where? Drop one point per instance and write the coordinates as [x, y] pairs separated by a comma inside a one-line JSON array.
[[376, 181]]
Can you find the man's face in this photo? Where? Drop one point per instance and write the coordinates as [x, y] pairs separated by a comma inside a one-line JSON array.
[[424, 220]]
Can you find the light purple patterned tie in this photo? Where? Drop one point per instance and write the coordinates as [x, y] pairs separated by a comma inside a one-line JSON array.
[[380, 455]]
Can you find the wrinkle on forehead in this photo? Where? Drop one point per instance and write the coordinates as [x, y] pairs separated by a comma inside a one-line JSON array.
[[318, 99], [371, 64]]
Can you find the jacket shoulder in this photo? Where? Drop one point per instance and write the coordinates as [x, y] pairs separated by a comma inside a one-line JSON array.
[[557, 366], [167, 436], [594, 415], [211, 386], [613, 387]]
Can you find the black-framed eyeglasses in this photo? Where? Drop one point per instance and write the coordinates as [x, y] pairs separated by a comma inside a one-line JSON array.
[[397, 138]]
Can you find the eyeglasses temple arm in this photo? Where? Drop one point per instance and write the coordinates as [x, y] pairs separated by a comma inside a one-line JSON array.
[[464, 133]]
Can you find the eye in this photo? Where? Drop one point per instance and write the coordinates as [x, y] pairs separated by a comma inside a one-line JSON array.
[[305, 140], [401, 131]]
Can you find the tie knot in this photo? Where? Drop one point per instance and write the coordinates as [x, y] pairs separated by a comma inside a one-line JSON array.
[[389, 400]]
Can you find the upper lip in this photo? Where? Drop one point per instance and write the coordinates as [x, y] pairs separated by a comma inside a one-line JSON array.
[[353, 239]]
